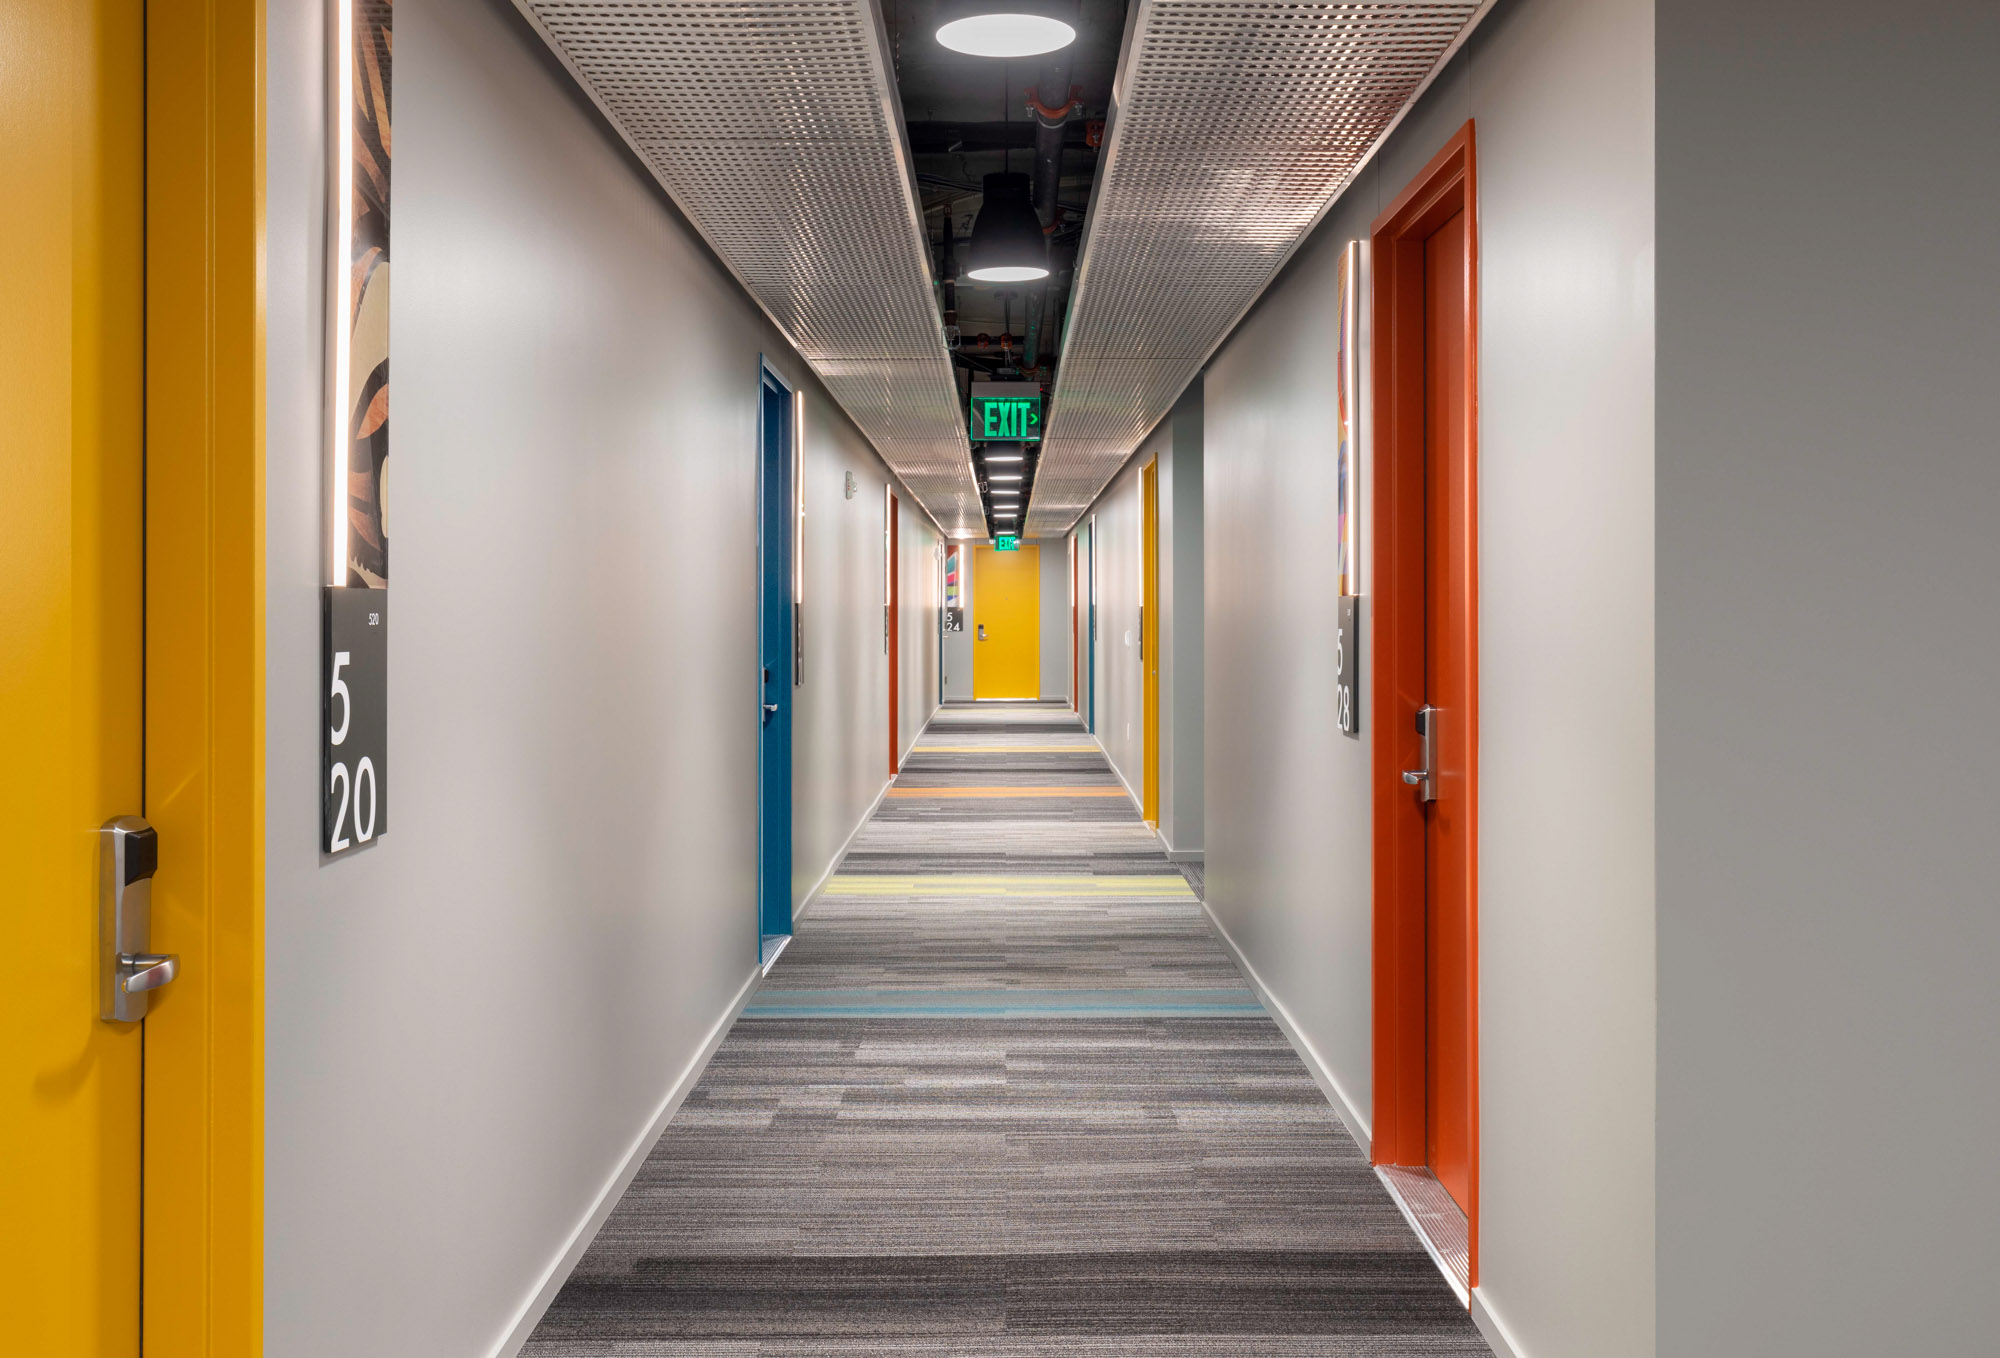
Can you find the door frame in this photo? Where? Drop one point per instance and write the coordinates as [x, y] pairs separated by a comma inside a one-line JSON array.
[[991, 554], [1075, 655], [774, 572], [1446, 185], [203, 1232]]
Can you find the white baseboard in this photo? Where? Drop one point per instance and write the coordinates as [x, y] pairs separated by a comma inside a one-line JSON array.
[[1498, 1337], [1357, 1126], [1119, 773], [840, 855], [523, 1325]]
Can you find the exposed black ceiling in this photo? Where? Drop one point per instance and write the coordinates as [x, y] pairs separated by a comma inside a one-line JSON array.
[[969, 117]]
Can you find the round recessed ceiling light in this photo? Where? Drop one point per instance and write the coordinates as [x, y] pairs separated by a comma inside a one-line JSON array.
[[1004, 28]]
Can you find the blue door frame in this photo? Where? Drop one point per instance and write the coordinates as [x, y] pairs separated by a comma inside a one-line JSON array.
[[775, 657]]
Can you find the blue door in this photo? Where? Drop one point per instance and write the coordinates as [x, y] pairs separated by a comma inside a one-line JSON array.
[[774, 632]]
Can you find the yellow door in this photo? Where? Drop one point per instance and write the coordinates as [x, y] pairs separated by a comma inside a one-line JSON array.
[[1007, 623], [71, 664], [1149, 637]]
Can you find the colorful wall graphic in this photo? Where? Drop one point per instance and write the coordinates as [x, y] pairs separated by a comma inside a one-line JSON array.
[[366, 293]]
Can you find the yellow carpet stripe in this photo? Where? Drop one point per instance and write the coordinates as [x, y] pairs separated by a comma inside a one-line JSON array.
[[1006, 792], [1003, 749], [971, 884]]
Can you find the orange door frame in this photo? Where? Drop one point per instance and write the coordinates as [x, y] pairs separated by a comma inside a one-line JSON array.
[[1445, 186], [892, 618], [1075, 702], [1149, 640]]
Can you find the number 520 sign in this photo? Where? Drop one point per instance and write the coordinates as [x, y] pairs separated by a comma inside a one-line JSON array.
[[354, 724]]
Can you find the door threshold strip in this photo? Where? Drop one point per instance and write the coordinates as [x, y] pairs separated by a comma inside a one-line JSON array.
[[1436, 1218]]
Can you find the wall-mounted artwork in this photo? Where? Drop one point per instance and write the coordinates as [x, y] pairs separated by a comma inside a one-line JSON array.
[[1347, 423], [359, 314], [354, 644]]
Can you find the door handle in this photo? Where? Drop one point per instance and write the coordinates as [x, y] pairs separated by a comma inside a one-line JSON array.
[[140, 971], [128, 855], [1425, 778]]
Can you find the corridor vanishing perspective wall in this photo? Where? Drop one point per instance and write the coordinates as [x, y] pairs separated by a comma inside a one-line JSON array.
[[1561, 94], [1176, 444], [472, 1023]]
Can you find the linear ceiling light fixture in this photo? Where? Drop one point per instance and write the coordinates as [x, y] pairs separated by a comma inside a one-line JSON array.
[[1005, 476], [1004, 28], [1234, 124], [1002, 457], [777, 129]]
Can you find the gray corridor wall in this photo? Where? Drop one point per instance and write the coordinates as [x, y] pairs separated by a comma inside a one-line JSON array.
[[958, 645], [1182, 629], [470, 1023], [841, 742], [1828, 928], [1121, 697], [1562, 94], [1176, 445], [1054, 557]]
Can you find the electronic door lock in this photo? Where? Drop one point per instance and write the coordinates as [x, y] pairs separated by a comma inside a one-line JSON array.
[[127, 971], [982, 631], [1425, 778]]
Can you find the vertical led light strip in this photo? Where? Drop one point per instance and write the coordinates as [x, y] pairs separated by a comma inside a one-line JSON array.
[[799, 496], [888, 567], [341, 268], [1350, 331]]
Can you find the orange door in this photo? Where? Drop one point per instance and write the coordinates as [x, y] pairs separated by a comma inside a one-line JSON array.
[[892, 642], [1149, 638], [1448, 688]]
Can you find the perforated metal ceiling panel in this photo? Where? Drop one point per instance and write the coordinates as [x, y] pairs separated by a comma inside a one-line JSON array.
[[775, 126], [1235, 124]]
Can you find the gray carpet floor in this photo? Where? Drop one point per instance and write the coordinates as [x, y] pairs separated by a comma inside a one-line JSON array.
[[1006, 1095]]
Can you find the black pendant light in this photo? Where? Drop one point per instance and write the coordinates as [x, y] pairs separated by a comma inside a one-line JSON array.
[[1007, 242]]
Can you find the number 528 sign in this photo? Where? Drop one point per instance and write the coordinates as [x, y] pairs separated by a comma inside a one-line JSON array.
[[354, 723]]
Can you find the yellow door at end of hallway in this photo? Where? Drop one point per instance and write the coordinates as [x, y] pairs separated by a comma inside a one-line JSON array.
[[71, 629], [1007, 622]]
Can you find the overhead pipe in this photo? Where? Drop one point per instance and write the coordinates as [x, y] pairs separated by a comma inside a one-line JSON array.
[[948, 275]]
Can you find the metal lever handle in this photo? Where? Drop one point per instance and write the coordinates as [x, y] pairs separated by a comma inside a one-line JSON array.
[[139, 971], [770, 707], [1415, 776]]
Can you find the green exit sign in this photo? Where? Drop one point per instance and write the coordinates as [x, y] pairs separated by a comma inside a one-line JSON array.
[[1006, 542], [1006, 411]]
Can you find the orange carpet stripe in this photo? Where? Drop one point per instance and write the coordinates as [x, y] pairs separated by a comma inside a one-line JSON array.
[[1006, 792]]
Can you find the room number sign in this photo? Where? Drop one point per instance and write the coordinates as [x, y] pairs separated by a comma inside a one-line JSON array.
[[354, 726], [1347, 664]]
